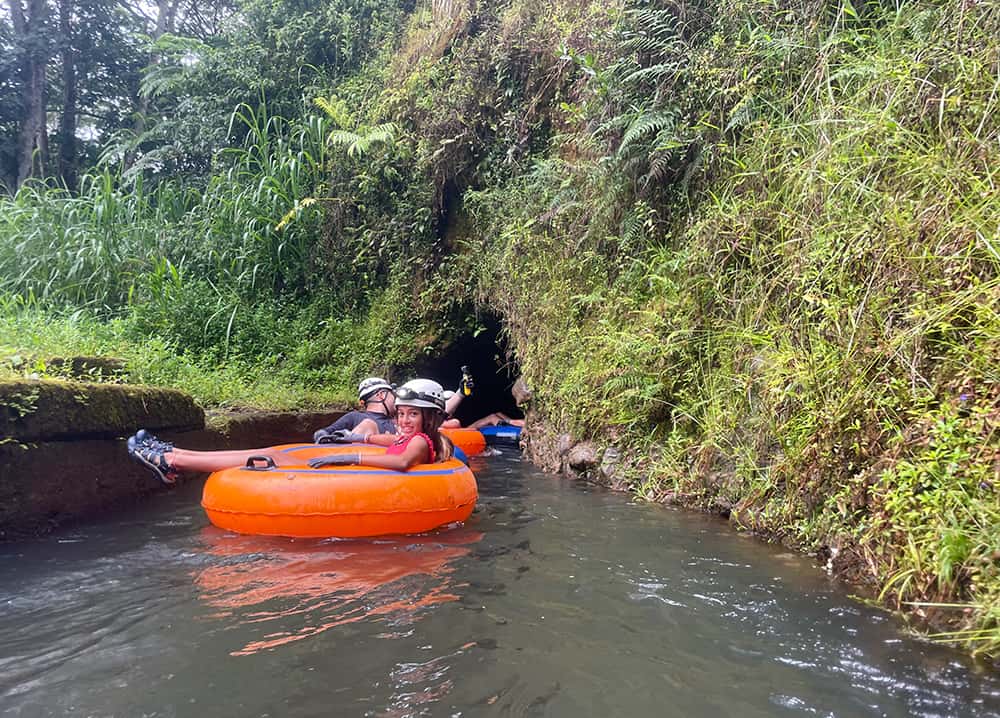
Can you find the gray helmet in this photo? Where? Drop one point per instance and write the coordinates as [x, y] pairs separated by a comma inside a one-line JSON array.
[[423, 393], [372, 384]]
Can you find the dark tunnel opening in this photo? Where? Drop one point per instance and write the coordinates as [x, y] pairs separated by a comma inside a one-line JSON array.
[[485, 354]]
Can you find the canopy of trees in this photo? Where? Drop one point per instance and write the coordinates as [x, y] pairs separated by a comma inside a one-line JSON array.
[[155, 83]]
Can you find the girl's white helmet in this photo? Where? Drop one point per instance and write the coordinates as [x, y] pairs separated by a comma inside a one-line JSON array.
[[372, 384], [424, 393]]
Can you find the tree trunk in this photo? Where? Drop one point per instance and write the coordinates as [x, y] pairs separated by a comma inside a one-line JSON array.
[[29, 33], [166, 12], [67, 122]]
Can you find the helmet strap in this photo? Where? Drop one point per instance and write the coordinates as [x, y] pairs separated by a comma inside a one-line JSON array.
[[382, 401]]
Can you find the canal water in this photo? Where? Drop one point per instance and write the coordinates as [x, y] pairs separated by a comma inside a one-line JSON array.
[[556, 599]]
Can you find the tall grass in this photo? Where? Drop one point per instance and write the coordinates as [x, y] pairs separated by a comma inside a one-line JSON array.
[[114, 241], [31, 334]]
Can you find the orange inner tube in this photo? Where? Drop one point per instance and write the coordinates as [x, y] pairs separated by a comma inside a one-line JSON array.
[[343, 501], [471, 441]]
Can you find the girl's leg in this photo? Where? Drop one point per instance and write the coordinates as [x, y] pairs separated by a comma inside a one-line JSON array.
[[166, 461], [208, 461]]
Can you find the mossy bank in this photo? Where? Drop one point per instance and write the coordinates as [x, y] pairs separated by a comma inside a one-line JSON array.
[[63, 455], [758, 258]]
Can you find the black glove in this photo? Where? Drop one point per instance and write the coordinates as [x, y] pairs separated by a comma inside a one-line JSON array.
[[340, 436], [346, 436], [466, 385], [334, 460]]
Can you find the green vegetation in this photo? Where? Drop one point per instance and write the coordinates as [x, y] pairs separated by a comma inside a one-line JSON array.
[[753, 245], [31, 337]]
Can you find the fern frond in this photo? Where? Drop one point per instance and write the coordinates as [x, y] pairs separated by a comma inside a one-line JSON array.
[[358, 149], [632, 229], [646, 125], [660, 164], [383, 134], [159, 79], [657, 31], [359, 143], [341, 138], [336, 109], [654, 72], [742, 113]]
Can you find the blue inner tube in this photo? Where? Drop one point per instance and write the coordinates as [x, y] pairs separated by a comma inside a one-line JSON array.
[[502, 434]]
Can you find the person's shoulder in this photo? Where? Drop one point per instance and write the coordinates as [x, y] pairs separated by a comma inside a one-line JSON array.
[[425, 439], [347, 421]]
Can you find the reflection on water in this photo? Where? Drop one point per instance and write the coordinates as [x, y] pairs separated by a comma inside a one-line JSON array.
[[291, 592], [556, 599]]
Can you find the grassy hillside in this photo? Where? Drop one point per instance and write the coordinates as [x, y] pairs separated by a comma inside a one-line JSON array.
[[755, 246]]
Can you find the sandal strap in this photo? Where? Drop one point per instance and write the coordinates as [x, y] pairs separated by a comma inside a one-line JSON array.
[[154, 455], [152, 442], [151, 452]]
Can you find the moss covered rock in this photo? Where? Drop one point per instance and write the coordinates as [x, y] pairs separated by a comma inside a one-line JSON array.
[[55, 410]]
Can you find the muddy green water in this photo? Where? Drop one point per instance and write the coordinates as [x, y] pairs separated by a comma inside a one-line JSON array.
[[556, 599]]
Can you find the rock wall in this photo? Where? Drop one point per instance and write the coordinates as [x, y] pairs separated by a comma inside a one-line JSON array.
[[561, 453], [62, 451], [53, 410]]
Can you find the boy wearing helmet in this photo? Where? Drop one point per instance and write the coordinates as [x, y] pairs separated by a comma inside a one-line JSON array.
[[376, 394]]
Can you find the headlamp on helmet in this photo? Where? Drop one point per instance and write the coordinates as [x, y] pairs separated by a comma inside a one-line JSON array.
[[423, 393]]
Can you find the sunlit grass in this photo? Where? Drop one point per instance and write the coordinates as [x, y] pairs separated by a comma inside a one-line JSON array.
[[29, 337]]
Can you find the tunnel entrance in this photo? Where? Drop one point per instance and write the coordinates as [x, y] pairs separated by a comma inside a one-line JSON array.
[[486, 356]]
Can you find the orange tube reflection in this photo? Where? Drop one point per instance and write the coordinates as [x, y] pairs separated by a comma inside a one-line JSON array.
[[305, 588]]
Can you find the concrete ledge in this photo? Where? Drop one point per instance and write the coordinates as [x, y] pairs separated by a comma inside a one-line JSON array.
[[52, 410], [60, 479], [46, 484], [248, 430]]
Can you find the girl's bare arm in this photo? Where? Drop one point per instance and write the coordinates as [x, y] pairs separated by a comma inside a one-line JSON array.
[[416, 452]]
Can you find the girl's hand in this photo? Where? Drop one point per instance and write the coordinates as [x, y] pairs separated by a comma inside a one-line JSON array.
[[334, 460], [345, 436]]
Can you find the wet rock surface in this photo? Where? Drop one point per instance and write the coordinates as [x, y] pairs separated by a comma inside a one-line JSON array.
[[582, 457], [63, 455]]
